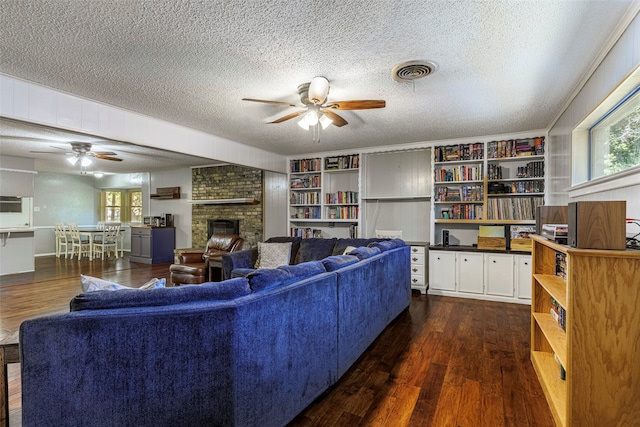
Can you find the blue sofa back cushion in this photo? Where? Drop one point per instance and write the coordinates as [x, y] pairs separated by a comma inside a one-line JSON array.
[[341, 244], [267, 278], [336, 262], [302, 271], [364, 252], [387, 245], [314, 249], [211, 291]]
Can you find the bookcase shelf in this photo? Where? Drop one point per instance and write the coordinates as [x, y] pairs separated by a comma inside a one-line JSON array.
[[599, 291]]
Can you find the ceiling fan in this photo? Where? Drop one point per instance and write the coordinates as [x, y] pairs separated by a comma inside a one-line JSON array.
[[317, 109], [81, 151]]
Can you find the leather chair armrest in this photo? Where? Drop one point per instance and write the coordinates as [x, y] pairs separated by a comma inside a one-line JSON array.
[[190, 257]]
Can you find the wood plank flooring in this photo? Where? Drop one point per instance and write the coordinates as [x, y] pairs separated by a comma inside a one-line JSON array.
[[444, 362]]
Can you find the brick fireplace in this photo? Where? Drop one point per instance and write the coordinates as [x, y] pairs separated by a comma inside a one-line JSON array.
[[224, 183]]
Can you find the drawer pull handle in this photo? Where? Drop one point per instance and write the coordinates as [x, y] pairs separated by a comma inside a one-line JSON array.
[[414, 259], [526, 263], [465, 260], [438, 257], [415, 270], [414, 280], [415, 249], [494, 261]]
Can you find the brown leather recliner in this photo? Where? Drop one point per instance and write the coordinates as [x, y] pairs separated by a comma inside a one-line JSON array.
[[193, 267]]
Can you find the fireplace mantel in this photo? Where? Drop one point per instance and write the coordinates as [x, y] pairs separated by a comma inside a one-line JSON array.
[[239, 201]]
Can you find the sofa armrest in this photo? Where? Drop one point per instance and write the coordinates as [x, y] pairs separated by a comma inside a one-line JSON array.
[[190, 257], [239, 259]]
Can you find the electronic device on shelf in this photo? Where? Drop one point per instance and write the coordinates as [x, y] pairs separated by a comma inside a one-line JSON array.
[[556, 232]]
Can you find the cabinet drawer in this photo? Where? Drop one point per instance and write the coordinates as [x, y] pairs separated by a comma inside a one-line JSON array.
[[417, 250], [417, 269], [417, 279], [140, 231], [417, 258]]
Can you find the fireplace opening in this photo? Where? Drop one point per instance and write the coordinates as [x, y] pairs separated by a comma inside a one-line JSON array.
[[222, 226]]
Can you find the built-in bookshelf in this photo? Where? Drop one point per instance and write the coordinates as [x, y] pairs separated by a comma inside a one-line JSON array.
[[585, 330], [324, 196]]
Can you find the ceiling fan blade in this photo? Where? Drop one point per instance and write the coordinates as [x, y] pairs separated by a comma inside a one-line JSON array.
[[336, 119], [365, 104], [288, 116], [103, 157], [48, 152], [104, 153], [270, 102]]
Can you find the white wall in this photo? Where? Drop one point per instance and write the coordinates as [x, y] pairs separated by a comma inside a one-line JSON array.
[[179, 208], [621, 60]]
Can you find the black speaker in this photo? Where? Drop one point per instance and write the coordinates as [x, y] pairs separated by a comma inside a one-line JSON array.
[[445, 238]]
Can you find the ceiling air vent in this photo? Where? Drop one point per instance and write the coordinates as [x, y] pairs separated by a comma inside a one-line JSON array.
[[412, 70]]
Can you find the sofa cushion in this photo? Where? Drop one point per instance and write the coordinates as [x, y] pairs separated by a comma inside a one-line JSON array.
[[303, 270], [295, 245], [242, 272], [315, 249], [209, 291], [272, 255], [364, 252], [267, 278], [386, 245], [336, 262], [92, 284], [342, 244]]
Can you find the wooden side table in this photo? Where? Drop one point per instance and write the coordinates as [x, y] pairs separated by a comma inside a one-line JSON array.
[[215, 269], [9, 353]]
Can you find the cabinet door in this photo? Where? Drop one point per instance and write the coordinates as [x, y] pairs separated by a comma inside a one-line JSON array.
[[136, 247], [470, 272], [145, 246], [523, 276], [499, 274], [442, 270]]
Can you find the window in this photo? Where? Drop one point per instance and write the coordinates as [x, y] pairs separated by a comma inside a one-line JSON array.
[[614, 140], [112, 206], [122, 205]]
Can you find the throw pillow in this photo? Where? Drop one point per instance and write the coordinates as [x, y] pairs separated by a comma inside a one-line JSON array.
[[348, 250], [91, 284], [273, 255]]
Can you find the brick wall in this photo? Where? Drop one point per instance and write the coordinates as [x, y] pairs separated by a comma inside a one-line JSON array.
[[227, 182]]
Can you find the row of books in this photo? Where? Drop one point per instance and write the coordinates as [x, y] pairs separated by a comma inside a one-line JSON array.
[[460, 173], [463, 211], [305, 198], [524, 187], [309, 212], [341, 198], [531, 170], [306, 181], [513, 208], [305, 232], [561, 265], [305, 165], [343, 212], [515, 148], [342, 162], [559, 313], [465, 193], [450, 153]]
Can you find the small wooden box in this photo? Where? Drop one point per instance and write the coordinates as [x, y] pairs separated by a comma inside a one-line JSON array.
[[492, 243], [492, 237], [523, 245]]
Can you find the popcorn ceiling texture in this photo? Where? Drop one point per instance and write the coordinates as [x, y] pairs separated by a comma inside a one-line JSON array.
[[503, 65]]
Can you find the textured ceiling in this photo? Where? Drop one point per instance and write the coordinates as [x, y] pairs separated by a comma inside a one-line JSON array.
[[503, 65]]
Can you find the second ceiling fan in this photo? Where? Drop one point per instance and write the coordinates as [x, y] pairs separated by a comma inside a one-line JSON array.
[[317, 109]]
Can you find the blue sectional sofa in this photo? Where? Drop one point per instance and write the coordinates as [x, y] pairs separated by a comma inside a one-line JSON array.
[[249, 351]]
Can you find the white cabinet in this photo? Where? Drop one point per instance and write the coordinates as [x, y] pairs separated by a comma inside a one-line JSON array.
[[418, 263], [469, 270], [442, 271], [481, 275], [498, 272], [523, 276]]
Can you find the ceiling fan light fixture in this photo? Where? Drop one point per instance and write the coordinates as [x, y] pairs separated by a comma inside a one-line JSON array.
[[303, 123], [73, 160], [318, 90], [311, 117], [325, 121]]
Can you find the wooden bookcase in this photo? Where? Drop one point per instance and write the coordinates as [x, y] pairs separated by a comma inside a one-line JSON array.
[[599, 347]]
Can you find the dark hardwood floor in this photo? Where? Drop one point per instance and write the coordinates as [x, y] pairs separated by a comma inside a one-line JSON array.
[[443, 362]]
